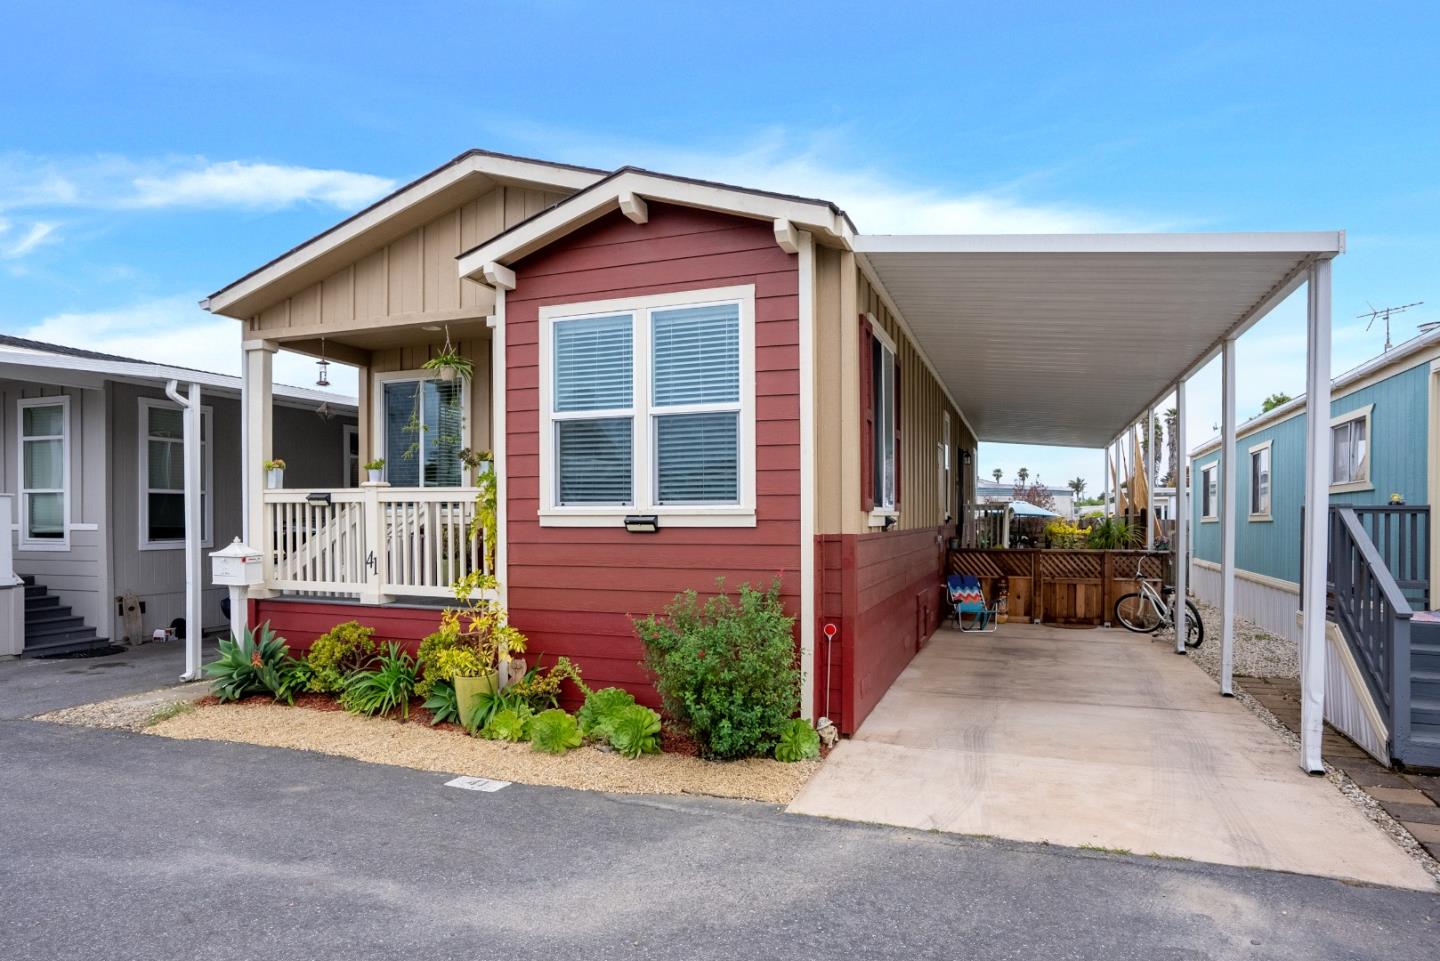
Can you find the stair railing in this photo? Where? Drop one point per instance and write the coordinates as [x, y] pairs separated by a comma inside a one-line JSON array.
[[1373, 615]]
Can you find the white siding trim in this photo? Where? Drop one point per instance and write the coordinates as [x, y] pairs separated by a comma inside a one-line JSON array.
[[68, 482]]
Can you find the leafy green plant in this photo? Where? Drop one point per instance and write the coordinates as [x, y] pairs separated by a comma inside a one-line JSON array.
[[386, 688], [554, 731], [376, 464], [442, 703], [540, 687], [1113, 533], [599, 709], [338, 653], [634, 730], [450, 359], [726, 668], [799, 741], [508, 724], [487, 705], [259, 662]]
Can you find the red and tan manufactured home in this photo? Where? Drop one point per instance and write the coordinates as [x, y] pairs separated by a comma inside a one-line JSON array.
[[645, 347]]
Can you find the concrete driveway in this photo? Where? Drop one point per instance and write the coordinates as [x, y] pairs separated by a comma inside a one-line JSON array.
[[30, 686], [1100, 738]]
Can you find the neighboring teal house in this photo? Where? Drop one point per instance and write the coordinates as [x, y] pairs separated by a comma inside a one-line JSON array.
[[1384, 439]]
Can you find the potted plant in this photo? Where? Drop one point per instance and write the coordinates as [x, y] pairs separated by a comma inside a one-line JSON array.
[[375, 470], [275, 474], [448, 364], [479, 643]]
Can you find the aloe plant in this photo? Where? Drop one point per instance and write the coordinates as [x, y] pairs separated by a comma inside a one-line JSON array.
[[259, 662]]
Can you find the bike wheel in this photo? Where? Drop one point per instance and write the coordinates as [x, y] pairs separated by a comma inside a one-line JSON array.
[[1194, 627], [1136, 612]]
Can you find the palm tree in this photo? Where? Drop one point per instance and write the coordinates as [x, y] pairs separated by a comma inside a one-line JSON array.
[[1172, 425], [1077, 485], [997, 473], [1024, 475]]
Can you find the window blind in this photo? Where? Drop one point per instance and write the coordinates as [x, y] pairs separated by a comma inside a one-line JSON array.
[[697, 355], [697, 458], [594, 358], [402, 437], [594, 459]]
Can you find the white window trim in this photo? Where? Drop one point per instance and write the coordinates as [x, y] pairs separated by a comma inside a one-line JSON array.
[[346, 432], [207, 476], [26, 542], [643, 463], [880, 514], [377, 419], [947, 470], [1367, 484], [1265, 515], [1205, 473]]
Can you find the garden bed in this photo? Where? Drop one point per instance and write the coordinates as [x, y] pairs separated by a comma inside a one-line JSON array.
[[448, 749]]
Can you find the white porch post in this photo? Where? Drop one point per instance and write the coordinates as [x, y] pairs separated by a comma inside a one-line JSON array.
[[1317, 517], [1182, 519], [258, 421], [1149, 448], [1105, 494], [1227, 517], [502, 280]]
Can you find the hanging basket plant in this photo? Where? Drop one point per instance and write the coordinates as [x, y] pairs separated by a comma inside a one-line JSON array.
[[448, 364]]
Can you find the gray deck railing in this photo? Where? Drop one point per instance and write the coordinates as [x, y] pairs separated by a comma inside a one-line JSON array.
[[1373, 614], [1401, 534]]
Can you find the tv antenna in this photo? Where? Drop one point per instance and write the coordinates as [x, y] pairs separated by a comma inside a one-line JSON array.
[[1383, 313]]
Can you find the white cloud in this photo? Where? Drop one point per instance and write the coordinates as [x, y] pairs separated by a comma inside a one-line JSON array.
[[173, 330], [39, 232], [108, 182]]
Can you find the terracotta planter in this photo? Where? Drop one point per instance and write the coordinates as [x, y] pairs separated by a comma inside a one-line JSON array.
[[468, 689]]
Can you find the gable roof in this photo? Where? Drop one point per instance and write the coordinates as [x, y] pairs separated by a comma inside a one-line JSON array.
[[626, 185], [43, 356], [469, 173]]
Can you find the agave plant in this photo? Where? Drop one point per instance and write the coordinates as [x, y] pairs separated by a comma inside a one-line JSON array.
[[386, 688], [259, 662], [634, 730], [798, 741], [442, 703]]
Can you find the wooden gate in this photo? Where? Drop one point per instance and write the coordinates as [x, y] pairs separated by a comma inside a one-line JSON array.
[[1059, 586]]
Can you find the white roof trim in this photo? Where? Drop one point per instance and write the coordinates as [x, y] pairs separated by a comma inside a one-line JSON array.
[[502, 168], [1323, 243], [141, 371], [590, 205]]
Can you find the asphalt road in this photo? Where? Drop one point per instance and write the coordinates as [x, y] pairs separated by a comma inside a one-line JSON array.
[[119, 846]]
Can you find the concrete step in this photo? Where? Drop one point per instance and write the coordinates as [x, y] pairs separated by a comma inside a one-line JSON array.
[[50, 648], [50, 617], [59, 632]]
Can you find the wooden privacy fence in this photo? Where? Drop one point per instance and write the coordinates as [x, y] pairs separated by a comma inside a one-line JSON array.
[[1059, 586]]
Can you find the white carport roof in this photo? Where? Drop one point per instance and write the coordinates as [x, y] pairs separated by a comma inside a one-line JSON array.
[[1066, 339]]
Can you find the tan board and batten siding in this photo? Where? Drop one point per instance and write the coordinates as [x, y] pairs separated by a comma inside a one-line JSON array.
[[412, 275]]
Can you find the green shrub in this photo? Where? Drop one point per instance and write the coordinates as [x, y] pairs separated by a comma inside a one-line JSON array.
[[508, 724], [442, 703], [554, 731], [386, 688], [599, 707], [258, 663], [428, 654], [799, 741], [1112, 533], [338, 653], [726, 668], [634, 730]]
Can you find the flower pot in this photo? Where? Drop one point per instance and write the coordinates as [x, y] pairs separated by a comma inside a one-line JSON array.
[[376, 475], [447, 373], [275, 478], [467, 689]]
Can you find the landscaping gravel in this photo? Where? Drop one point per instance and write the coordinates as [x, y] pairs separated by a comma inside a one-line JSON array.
[[130, 713], [416, 745]]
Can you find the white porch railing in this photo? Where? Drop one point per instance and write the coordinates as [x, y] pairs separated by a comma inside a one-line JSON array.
[[373, 542]]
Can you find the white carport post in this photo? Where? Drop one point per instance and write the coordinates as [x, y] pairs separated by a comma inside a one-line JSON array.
[[1227, 516], [1317, 517], [1150, 453], [1105, 494], [194, 621], [1182, 518]]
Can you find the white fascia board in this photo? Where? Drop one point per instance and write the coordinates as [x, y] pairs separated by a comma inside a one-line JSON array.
[[134, 372], [589, 205], [1323, 243], [501, 168]]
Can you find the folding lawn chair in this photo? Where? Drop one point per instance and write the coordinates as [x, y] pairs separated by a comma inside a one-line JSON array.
[[966, 598]]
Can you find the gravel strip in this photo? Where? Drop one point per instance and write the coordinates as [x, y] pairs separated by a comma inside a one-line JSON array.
[[131, 713], [1269, 646], [417, 745]]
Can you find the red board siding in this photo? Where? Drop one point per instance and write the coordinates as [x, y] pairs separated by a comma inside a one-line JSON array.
[[882, 591], [300, 622], [573, 591]]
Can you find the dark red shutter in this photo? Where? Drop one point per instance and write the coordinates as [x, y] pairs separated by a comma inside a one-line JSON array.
[[897, 431], [867, 418]]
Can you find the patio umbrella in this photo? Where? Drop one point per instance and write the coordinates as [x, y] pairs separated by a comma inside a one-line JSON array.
[[1022, 509]]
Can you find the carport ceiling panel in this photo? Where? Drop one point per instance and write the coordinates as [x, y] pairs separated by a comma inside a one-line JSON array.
[[1064, 348]]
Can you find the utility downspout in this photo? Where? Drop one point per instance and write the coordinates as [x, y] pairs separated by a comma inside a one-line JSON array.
[[194, 622]]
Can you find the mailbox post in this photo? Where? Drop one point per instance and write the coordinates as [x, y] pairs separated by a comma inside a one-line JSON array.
[[239, 567]]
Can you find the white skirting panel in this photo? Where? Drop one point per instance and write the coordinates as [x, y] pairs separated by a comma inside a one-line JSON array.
[[1349, 708], [1268, 604]]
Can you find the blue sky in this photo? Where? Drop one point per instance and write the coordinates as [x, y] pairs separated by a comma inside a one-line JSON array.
[[149, 153]]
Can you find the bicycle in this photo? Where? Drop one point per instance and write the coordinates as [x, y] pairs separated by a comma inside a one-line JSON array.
[[1147, 610]]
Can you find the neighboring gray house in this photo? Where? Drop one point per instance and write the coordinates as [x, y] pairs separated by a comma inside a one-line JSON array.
[[91, 450]]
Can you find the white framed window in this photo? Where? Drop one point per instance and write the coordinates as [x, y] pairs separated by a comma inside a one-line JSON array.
[[43, 438], [1260, 482], [162, 476], [648, 407], [947, 477], [1350, 451], [350, 455], [1209, 492], [883, 409], [421, 428]]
